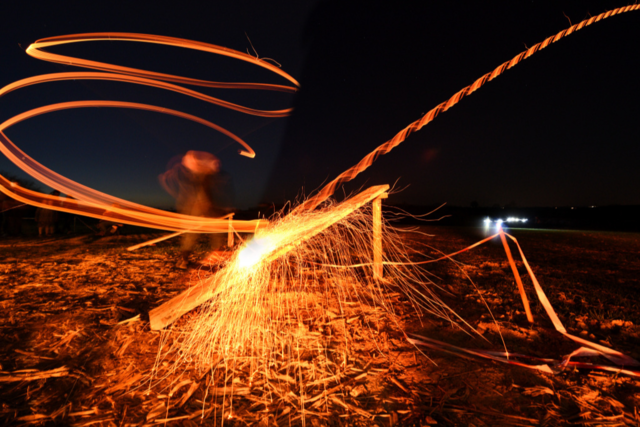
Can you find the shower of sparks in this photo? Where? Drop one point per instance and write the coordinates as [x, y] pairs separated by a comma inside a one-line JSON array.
[[270, 296], [260, 332]]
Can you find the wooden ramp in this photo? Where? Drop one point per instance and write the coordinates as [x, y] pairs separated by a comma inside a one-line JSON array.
[[206, 289]]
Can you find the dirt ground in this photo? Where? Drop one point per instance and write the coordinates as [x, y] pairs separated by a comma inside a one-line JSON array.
[[76, 348]]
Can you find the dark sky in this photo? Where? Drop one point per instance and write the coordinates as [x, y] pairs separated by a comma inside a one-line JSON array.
[[561, 128]]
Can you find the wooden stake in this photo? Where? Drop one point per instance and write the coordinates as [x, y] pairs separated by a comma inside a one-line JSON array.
[[377, 235], [525, 301], [230, 238]]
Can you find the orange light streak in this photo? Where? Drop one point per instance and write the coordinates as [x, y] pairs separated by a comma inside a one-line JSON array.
[[34, 50], [90, 202], [120, 104]]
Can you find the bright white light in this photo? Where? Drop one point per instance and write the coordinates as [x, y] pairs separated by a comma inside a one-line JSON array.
[[514, 219], [499, 222], [254, 251]]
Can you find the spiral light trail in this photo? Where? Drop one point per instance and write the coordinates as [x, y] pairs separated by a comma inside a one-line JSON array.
[[90, 202]]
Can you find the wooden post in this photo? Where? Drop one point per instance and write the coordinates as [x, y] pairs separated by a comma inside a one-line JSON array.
[[525, 301], [377, 235], [230, 237]]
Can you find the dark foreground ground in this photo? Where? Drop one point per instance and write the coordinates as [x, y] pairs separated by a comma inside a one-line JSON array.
[[75, 345]]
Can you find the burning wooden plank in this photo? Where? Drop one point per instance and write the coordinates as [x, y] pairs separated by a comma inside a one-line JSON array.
[[171, 310]]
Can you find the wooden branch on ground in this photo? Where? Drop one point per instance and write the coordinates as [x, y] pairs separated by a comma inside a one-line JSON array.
[[32, 374]]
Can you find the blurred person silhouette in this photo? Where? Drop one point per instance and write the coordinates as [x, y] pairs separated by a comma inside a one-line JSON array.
[[47, 218], [192, 183]]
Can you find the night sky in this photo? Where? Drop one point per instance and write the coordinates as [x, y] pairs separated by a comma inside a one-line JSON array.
[[560, 129]]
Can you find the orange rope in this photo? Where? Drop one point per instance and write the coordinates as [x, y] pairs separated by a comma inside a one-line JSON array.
[[346, 176]]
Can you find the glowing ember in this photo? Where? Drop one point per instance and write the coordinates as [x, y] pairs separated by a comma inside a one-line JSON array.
[[255, 250]]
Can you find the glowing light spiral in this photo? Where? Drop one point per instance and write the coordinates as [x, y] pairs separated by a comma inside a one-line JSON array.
[[90, 202]]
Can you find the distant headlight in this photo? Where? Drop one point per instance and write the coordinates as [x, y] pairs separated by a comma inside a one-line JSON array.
[[514, 219]]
